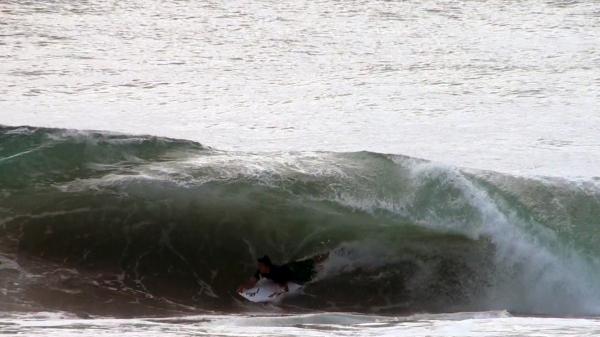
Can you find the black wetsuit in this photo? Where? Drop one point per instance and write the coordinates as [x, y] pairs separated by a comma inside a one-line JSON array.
[[298, 271], [278, 274]]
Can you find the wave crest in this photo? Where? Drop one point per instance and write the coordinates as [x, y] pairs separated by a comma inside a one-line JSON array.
[[172, 224]]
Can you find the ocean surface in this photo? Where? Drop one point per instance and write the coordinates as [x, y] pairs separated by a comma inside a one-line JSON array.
[[445, 153]]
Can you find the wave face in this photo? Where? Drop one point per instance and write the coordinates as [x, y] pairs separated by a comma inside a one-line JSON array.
[[110, 223]]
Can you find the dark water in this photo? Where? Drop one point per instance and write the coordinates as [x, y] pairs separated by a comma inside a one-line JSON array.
[[100, 223]]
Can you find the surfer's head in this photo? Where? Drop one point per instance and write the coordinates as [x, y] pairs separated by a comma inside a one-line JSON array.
[[264, 264]]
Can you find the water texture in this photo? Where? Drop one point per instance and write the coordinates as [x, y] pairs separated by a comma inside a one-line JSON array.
[[511, 86]]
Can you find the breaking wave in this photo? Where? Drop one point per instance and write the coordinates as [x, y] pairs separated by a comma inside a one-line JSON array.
[[110, 223]]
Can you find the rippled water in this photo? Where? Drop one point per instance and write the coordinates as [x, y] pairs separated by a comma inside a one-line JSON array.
[[503, 85]]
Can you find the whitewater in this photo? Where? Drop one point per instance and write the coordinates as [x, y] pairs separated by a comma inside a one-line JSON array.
[[103, 224], [444, 153]]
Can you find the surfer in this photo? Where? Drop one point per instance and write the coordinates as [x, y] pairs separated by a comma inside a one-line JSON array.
[[298, 272]]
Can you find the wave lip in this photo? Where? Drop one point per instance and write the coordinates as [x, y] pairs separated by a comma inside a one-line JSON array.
[[150, 224]]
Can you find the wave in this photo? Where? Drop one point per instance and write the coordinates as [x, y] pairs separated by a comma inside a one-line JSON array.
[[142, 223]]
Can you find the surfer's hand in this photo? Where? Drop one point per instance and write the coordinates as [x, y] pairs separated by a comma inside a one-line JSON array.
[[241, 288]]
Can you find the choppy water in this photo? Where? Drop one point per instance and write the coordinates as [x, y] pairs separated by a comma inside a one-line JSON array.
[[484, 324], [510, 86]]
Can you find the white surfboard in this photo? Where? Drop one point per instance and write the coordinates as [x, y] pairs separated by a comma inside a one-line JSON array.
[[266, 290]]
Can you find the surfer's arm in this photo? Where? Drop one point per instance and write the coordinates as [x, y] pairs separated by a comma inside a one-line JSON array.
[[284, 278], [248, 284], [284, 287]]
